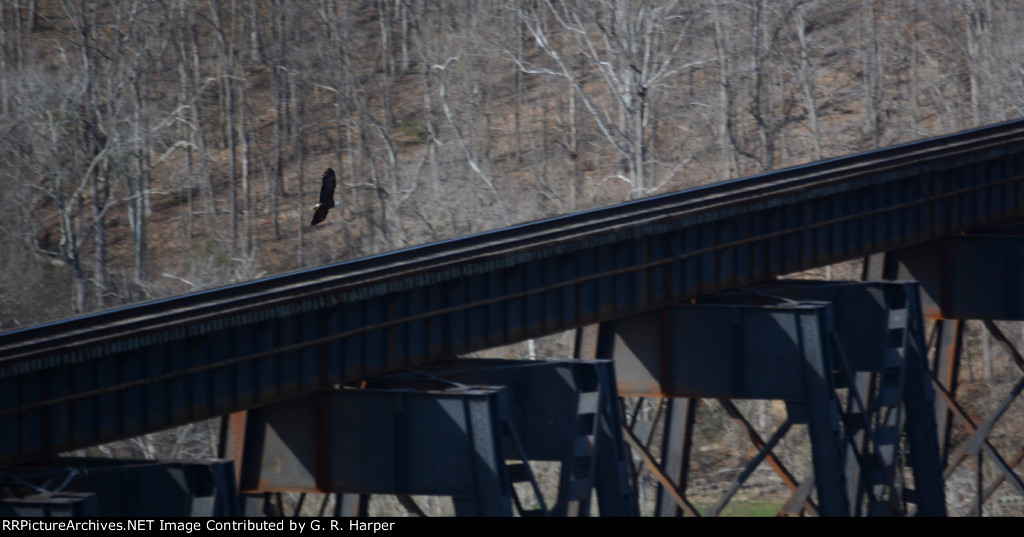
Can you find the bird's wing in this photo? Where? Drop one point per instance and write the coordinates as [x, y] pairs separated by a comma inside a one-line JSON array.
[[327, 185], [319, 215]]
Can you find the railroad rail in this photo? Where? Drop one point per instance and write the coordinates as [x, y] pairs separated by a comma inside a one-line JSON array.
[[145, 367]]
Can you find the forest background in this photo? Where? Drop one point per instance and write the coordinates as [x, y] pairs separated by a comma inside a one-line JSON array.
[[153, 148]]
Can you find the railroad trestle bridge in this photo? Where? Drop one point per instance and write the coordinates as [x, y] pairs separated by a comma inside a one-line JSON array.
[[343, 379]]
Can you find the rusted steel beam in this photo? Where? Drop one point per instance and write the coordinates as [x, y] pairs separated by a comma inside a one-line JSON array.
[[232, 441], [982, 444], [780, 469], [970, 276], [678, 494]]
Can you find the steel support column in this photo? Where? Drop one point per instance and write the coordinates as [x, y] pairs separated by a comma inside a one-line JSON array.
[[970, 276], [680, 415], [822, 413]]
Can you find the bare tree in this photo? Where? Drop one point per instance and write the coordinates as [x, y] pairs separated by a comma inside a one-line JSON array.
[[64, 174], [443, 118], [635, 49], [807, 82]]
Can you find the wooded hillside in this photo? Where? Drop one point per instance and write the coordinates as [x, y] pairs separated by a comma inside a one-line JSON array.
[[155, 148]]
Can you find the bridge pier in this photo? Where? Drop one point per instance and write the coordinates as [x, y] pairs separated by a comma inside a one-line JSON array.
[[972, 277], [803, 343], [449, 430]]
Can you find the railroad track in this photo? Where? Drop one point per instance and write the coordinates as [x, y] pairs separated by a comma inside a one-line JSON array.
[[372, 270]]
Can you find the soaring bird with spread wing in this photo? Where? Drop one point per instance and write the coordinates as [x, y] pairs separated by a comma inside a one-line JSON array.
[[327, 202]]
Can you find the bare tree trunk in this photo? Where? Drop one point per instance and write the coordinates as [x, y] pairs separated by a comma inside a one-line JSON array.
[[300, 144], [139, 182], [275, 189], [729, 166], [572, 145], [915, 73], [518, 92], [226, 60], [760, 101], [807, 82], [185, 99], [198, 110], [387, 62], [872, 77], [246, 193], [979, 19], [255, 37], [93, 143], [7, 48], [403, 15], [100, 199]]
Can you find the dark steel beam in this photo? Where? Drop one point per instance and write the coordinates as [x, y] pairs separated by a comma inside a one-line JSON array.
[[680, 416], [385, 442], [947, 340], [137, 488], [60, 504], [972, 276]]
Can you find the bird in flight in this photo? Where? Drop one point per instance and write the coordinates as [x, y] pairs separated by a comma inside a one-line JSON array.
[[327, 202]]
